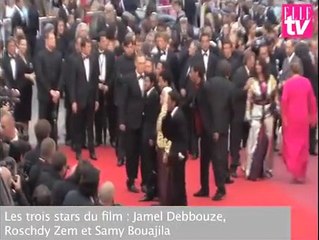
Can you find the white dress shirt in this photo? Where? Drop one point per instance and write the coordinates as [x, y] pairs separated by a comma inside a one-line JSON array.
[[86, 62], [102, 66], [140, 79], [174, 111], [13, 65], [205, 58]]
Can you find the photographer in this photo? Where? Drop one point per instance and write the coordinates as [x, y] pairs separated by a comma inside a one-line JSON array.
[[13, 181]]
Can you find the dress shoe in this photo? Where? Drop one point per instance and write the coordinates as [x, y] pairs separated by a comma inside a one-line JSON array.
[[144, 188], [233, 173], [218, 196], [268, 174], [201, 193], [93, 156], [229, 181], [146, 199], [78, 156], [132, 188], [120, 162]]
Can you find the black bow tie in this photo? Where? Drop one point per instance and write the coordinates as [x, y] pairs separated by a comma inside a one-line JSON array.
[[163, 53], [85, 57], [139, 77], [205, 53]]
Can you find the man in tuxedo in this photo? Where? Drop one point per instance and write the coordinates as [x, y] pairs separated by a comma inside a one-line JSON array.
[[206, 57], [230, 56], [124, 66], [239, 128], [9, 65], [84, 77], [167, 56], [187, 92], [69, 122], [221, 93], [32, 26], [150, 114], [202, 111], [130, 119], [264, 53], [19, 18], [63, 11], [291, 58], [106, 62], [48, 69], [174, 128]]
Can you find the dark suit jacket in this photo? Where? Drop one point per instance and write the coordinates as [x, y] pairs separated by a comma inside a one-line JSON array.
[[221, 91], [17, 21], [8, 74], [240, 96], [202, 102], [109, 67], [123, 66], [49, 72], [132, 103], [84, 92], [33, 23], [174, 128], [150, 114], [212, 63], [62, 14], [172, 63]]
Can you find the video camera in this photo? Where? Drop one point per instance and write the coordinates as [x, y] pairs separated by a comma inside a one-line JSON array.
[[9, 97]]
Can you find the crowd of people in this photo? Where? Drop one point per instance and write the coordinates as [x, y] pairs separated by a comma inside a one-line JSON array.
[[156, 93]]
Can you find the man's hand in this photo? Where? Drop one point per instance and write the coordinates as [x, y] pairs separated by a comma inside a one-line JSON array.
[[105, 89], [16, 183], [96, 106], [74, 107], [183, 92], [151, 142], [122, 127], [215, 136]]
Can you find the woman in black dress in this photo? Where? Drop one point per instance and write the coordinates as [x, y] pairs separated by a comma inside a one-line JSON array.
[[26, 78], [61, 37]]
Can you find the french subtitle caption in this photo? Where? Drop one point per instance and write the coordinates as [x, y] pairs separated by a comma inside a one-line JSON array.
[[101, 224]]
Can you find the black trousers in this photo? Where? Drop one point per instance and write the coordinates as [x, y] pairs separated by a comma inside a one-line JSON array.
[[119, 138], [220, 161], [112, 120], [49, 111], [176, 195], [312, 140], [83, 123], [101, 120], [239, 131], [193, 138], [206, 143], [133, 142], [68, 119], [148, 161]]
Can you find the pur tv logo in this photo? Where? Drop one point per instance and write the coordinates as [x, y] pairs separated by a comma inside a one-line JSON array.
[[297, 20]]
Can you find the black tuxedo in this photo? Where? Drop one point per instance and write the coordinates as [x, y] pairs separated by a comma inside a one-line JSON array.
[[174, 128], [101, 116], [131, 114], [63, 14], [212, 63], [172, 62], [49, 74], [10, 80], [33, 27], [234, 61], [148, 163], [18, 21], [239, 128], [185, 83], [204, 124], [221, 93], [84, 92]]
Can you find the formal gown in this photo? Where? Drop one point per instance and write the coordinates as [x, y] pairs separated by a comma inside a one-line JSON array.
[[299, 109], [163, 145], [259, 111], [22, 111]]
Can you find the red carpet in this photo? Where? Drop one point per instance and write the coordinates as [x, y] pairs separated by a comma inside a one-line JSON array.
[[303, 199]]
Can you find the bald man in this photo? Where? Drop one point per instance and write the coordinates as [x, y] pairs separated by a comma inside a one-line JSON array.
[[8, 130], [106, 194]]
